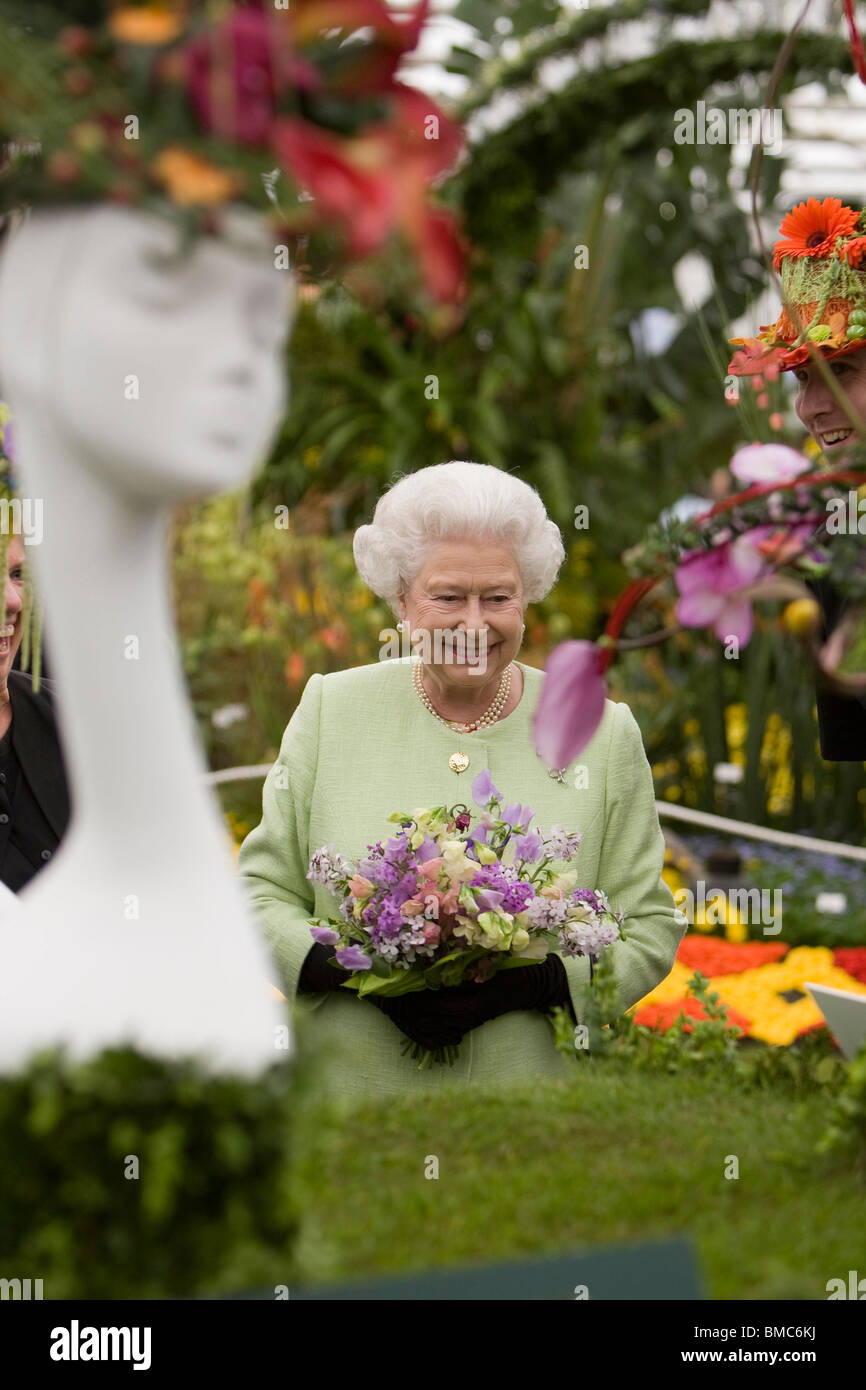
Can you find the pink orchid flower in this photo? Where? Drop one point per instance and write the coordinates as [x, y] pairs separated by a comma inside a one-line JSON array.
[[571, 704], [768, 463], [709, 581]]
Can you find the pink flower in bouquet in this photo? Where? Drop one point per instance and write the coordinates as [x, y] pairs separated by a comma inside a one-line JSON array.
[[768, 463], [571, 704], [709, 580], [360, 887], [430, 868]]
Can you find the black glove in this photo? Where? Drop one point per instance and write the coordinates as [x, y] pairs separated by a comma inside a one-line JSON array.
[[436, 1018], [316, 974]]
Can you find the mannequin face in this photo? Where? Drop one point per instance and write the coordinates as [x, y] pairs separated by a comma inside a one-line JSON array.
[[163, 370]]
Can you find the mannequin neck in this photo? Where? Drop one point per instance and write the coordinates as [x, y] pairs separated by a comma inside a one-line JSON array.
[[121, 704]]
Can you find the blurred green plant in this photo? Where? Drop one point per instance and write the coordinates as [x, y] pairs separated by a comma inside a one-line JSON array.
[[697, 1041], [259, 608], [208, 1207], [847, 1127]]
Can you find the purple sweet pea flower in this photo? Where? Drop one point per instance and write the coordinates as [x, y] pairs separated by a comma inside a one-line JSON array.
[[326, 936], [353, 958], [520, 817], [528, 847], [488, 899], [571, 704], [483, 790], [428, 849]]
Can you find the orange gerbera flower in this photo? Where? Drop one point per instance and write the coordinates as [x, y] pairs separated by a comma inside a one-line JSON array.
[[853, 251], [813, 228]]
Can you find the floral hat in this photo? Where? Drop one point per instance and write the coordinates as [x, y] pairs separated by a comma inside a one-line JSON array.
[[821, 256], [186, 106]]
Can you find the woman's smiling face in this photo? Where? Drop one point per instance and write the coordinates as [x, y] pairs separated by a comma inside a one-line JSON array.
[[474, 587], [822, 416], [10, 634]]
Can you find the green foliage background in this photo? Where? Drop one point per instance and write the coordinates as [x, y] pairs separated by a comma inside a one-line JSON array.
[[548, 373]]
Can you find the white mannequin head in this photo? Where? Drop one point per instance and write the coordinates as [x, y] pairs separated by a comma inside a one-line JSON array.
[[162, 368], [137, 929]]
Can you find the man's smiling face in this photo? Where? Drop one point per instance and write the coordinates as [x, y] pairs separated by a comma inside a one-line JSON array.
[[817, 408]]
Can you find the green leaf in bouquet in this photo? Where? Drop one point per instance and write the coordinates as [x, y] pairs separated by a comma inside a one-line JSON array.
[[460, 954], [510, 962], [397, 982], [380, 967]]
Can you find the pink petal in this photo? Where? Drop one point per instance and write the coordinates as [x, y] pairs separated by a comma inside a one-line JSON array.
[[743, 562], [697, 570], [735, 620], [699, 609], [572, 703], [768, 463]]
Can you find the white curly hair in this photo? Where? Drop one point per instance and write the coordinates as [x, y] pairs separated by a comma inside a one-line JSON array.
[[450, 501]]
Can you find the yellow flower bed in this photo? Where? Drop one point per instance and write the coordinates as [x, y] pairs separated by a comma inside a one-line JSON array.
[[757, 993]]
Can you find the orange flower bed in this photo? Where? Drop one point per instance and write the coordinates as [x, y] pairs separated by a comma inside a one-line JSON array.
[[714, 956], [663, 1016], [762, 983]]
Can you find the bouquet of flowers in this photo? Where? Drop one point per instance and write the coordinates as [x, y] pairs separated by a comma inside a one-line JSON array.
[[445, 900]]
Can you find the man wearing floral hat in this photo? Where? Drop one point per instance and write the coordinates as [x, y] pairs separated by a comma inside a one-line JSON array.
[[821, 257]]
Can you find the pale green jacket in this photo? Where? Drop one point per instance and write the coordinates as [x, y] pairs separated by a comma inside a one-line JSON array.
[[361, 745]]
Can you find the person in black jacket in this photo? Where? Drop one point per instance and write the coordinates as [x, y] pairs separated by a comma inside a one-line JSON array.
[[821, 257], [34, 796]]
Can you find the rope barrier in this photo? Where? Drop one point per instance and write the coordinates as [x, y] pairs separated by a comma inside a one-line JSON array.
[[239, 774], [760, 832]]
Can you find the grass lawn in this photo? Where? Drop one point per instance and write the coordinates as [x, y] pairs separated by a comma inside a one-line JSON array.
[[618, 1156]]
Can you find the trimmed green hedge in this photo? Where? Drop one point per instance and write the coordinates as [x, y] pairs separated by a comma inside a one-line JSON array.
[[209, 1208]]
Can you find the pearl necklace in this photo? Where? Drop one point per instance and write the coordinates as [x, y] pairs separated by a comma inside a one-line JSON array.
[[490, 715]]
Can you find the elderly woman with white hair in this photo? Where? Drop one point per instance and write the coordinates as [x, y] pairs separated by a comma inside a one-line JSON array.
[[458, 550]]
